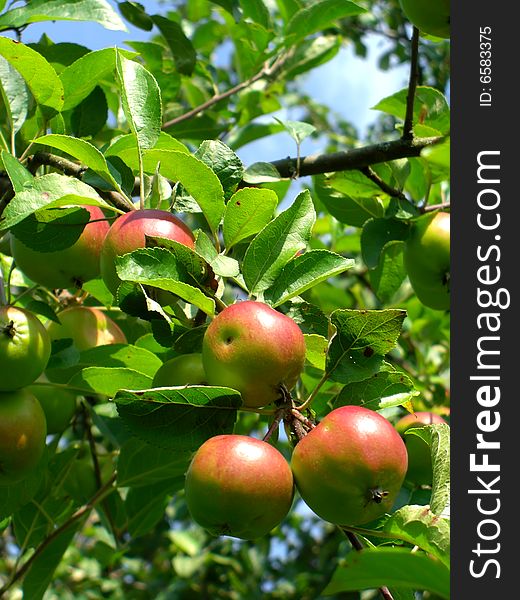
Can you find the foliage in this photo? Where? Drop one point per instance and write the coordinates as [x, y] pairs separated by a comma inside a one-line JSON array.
[[158, 126]]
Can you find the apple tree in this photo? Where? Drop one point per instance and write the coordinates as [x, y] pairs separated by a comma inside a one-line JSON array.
[[203, 362]]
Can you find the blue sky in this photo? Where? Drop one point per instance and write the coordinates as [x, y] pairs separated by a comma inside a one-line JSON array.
[[348, 84]]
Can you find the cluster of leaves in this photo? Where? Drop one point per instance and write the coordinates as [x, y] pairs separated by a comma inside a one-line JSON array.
[[101, 127]]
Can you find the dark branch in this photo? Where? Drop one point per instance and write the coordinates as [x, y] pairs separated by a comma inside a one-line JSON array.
[[357, 158], [412, 86], [388, 189]]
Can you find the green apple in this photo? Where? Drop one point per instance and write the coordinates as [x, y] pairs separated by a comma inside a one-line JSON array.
[[350, 467], [427, 260], [25, 348], [419, 455], [59, 404], [128, 232], [87, 326], [70, 267], [254, 349], [432, 17], [181, 370], [22, 435], [238, 486]]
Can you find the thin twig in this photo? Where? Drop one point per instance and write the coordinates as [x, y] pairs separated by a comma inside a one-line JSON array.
[[433, 207], [387, 189], [266, 71], [412, 86], [80, 513]]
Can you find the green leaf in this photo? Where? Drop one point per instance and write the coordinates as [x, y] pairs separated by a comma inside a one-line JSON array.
[[84, 74], [384, 389], [257, 11], [438, 438], [109, 380], [439, 155], [53, 229], [387, 278], [354, 183], [431, 115], [318, 16], [125, 148], [18, 494], [376, 233], [247, 212], [41, 571], [298, 130], [277, 243], [98, 11], [179, 418], [305, 271], [311, 53], [145, 506], [49, 191], [316, 347], [261, 172], [40, 77], [19, 176], [349, 210], [162, 268], [223, 162], [89, 117], [135, 14], [225, 266], [198, 179], [362, 339], [373, 568], [182, 49], [15, 95], [122, 355], [141, 101], [85, 152], [143, 464], [418, 526], [251, 132]]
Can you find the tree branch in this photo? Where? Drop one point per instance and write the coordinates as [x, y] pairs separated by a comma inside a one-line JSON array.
[[388, 189], [412, 86], [433, 207], [357, 158], [266, 71]]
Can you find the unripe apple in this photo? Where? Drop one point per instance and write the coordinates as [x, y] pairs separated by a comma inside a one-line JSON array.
[[181, 370], [350, 467], [238, 486], [429, 16], [70, 267], [128, 233], [22, 435], [25, 348], [254, 349], [419, 454], [87, 326], [427, 260], [58, 404]]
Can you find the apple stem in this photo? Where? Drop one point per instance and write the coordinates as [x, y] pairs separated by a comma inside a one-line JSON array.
[[358, 546], [274, 425]]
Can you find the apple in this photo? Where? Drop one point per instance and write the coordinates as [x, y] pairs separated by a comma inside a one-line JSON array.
[[128, 233], [419, 455], [428, 16], [22, 435], [181, 370], [427, 260], [70, 267], [87, 326], [25, 348], [254, 349], [350, 467], [58, 403], [238, 486]]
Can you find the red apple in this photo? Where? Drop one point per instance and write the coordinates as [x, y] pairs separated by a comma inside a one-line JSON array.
[[239, 486], [419, 454], [128, 233], [25, 348], [70, 267], [87, 326], [254, 349], [350, 468]]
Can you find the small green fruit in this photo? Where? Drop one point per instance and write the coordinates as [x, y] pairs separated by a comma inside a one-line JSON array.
[[430, 16], [59, 405], [181, 370]]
